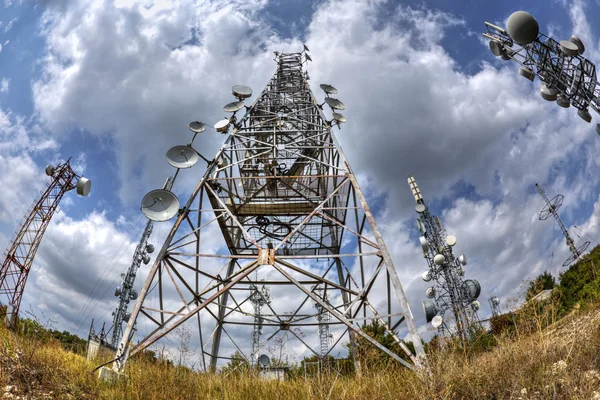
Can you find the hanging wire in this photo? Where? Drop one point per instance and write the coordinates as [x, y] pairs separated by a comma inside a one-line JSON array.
[[594, 240], [553, 244]]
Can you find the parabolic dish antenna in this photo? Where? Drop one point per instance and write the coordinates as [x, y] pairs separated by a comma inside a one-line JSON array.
[[197, 126], [522, 27], [462, 259], [563, 102], [578, 42], [49, 170], [426, 276], [439, 259], [476, 305], [264, 360], [84, 186], [182, 157], [496, 48], [430, 293], [328, 88], [305, 48], [451, 240], [149, 248], [437, 321], [222, 125], [424, 244], [569, 48], [334, 103], [527, 73], [420, 208], [307, 57], [241, 91], [547, 93], [339, 118], [160, 205], [430, 310], [472, 288], [233, 107], [585, 115]]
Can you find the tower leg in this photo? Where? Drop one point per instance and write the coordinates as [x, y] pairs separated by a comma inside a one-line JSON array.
[[223, 299]]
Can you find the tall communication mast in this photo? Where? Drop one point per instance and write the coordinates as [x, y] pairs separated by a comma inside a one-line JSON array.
[[259, 298], [324, 318], [450, 294], [290, 211], [551, 209], [21, 252], [494, 305]]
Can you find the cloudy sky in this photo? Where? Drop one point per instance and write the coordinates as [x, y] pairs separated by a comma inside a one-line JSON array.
[[114, 85]]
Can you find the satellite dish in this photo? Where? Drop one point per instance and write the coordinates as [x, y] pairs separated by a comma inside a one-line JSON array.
[[328, 88], [437, 321], [182, 157], [547, 93], [462, 259], [424, 244], [264, 360], [522, 27], [439, 259], [118, 291], [197, 126], [476, 305], [233, 107], [569, 48], [146, 259], [420, 208], [334, 103], [149, 248], [307, 57], [430, 293], [223, 125], [430, 310], [50, 170], [84, 185], [241, 91], [563, 102], [426, 276], [527, 73], [578, 42], [160, 205], [451, 240], [339, 118], [305, 48], [133, 294], [585, 115], [472, 288], [496, 48]]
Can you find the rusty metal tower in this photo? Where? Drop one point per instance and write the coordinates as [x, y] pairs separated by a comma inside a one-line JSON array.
[[21, 252], [291, 216]]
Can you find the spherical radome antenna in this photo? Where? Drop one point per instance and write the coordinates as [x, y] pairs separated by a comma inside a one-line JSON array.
[[182, 157], [241, 91], [233, 107], [548, 94], [334, 103], [264, 360], [437, 321], [223, 125], [439, 259], [84, 186], [150, 248], [339, 118], [426, 276], [50, 170], [197, 126], [522, 27], [585, 115], [160, 205], [451, 240], [578, 42], [328, 88]]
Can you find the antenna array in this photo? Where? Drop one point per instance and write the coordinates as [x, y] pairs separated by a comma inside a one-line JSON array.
[[259, 298]]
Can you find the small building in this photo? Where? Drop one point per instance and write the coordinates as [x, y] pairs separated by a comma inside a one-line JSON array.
[[273, 373]]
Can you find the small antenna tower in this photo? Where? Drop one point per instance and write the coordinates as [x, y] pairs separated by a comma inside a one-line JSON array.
[[21, 252], [567, 77], [259, 298], [494, 305], [551, 209], [324, 318], [450, 294]]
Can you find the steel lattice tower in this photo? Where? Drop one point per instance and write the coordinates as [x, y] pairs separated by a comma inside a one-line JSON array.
[[290, 210], [551, 209], [324, 318], [21, 252], [454, 298], [259, 298]]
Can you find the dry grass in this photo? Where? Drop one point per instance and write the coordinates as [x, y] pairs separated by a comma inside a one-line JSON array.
[[560, 362]]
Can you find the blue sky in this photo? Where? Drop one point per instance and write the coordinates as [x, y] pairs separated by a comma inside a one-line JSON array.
[[117, 84]]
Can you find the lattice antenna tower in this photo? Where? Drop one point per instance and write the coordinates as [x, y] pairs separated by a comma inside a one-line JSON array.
[[324, 318], [259, 298], [567, 77], [21, 251], [290, 211], [551, 209], [453, 306], [494, 305]]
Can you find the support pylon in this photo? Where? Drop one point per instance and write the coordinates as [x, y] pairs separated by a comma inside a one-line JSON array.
[[292, 217]]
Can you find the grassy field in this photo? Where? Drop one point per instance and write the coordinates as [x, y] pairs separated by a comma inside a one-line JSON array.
[[534, 361]]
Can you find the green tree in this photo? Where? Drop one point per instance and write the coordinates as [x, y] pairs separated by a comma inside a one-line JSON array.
[[543, 281], [237, 365]]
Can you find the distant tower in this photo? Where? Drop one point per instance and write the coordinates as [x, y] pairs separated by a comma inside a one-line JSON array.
[[324, 318], [259, 298], [494, 306], [19, 257], [450, 293], [551, 209]]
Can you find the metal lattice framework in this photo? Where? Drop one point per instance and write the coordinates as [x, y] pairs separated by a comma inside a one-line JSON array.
[[21, 252], [259, 298], [568, 77], [494, 305], [551, 209], [454, 299], [324, 318], [290, 212]]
